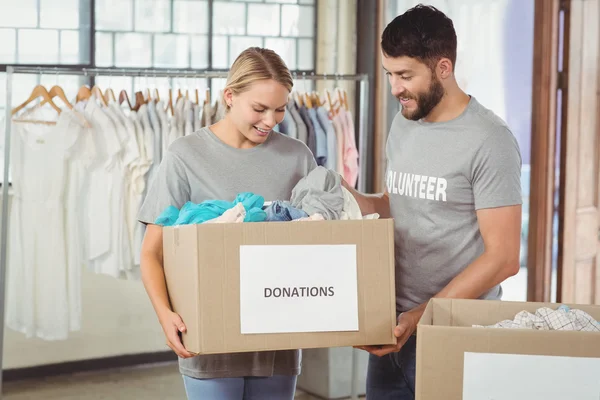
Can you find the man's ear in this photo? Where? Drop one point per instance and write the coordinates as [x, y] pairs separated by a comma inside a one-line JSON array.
[[445, 68]]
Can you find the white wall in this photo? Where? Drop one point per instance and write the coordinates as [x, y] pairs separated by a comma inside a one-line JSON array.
[[118, 319]]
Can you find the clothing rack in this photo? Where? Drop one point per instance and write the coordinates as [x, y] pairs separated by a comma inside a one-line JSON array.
[[363, 151]]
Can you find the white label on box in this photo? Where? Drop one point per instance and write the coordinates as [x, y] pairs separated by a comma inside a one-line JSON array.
[[515, 376], [298, 288]]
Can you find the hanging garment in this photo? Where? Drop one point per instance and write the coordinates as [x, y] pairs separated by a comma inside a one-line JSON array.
[[311, 139], [338, 126], [39, 277], [81, 156], [319, 192], [197, 121], [138, 183], [164, 125], [323, 115], [287, 126], [131, 161], [206, 119], [188, 115], [350, 153], [120, 234], [320, 137], [301, 130], [105, 175], [157, 130], [218, 111]]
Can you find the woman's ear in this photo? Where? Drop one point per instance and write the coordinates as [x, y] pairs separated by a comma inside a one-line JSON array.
[[228, 97]]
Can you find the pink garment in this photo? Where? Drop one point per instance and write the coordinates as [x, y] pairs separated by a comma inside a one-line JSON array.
[[350, 152], [314, 217], [235, 214], [338, 126]]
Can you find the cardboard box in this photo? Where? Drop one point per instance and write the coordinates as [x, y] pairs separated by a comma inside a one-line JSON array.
[[282, 285], [458, 361]]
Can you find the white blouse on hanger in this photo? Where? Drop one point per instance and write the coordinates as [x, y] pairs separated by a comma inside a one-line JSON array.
[[105, 179], [38, 278]]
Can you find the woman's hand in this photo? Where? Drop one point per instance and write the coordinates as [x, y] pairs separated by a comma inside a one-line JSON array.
[[173, 325]]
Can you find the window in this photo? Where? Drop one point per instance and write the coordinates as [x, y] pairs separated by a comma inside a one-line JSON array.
[[169, 34]]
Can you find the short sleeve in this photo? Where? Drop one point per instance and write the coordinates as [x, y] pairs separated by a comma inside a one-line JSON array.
[[496, 171], [170, 187]]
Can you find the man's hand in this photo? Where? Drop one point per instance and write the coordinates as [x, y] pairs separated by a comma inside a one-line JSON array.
[[407, 325]]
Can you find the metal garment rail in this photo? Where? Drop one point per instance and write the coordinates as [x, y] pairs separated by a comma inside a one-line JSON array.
[[363, 151]]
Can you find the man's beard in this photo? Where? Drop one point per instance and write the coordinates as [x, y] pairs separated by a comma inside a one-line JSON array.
[[426, 101]]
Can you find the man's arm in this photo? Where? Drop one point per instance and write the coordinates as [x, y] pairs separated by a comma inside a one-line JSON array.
[[501, 230], [371, 203]]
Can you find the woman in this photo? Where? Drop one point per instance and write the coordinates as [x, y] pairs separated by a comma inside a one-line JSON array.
[[240, 153]]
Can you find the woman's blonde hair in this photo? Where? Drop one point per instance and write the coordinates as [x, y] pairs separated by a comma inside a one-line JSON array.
[[255, 64]]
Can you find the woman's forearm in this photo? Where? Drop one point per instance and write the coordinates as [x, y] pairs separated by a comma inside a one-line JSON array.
[[153, 277]]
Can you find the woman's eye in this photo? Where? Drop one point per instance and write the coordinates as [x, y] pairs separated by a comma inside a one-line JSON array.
[[257, 110], [280, 110]]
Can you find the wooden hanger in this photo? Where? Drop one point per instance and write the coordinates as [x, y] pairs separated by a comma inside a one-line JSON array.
[[207, 96], [110, 95], [316, 99], [124, 97], [97, 93], [156, 95], [84, 93], [38, 91], [328, 97], [139, 101], [307, 101], [57, 91], [170, 102], [298, 99], [179, 95], [197, 97]]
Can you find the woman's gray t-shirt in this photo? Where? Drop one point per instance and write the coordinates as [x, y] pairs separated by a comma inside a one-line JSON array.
[[201, 167]]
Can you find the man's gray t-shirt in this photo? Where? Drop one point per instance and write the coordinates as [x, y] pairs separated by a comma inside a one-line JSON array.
[[438, 175], [201, 167]]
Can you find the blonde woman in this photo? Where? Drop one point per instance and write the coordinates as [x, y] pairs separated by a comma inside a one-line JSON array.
[[240, 153]]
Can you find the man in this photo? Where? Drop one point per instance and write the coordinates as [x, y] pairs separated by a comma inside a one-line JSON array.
[[453, 189]]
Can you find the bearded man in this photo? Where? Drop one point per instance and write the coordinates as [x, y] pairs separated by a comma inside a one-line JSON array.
[[453, 189]]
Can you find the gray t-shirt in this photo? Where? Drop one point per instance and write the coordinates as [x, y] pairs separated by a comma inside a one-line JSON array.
[[201, 167], [438, 175]]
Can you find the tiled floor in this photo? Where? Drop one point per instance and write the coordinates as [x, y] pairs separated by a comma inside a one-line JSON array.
[[159, 382]]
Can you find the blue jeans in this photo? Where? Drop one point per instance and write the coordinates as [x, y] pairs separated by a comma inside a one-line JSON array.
[[250, 388], [283, 211], [392, 377]]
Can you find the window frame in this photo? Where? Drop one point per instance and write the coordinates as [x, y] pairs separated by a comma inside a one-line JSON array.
[[91, 36]]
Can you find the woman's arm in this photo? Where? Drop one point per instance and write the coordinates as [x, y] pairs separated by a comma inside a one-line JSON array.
[[153, 277]]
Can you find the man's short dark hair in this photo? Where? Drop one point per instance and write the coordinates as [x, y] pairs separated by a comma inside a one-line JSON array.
[[424, 33]]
